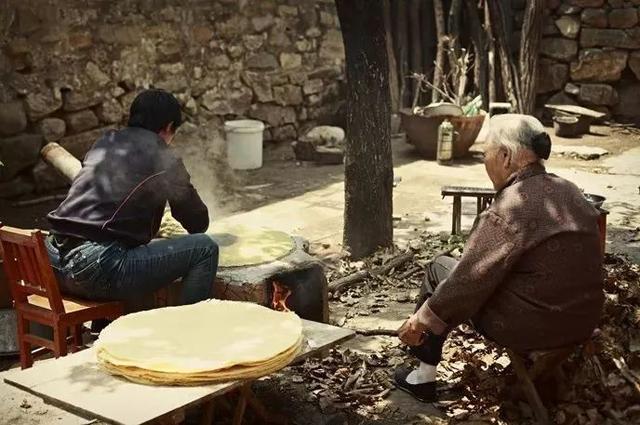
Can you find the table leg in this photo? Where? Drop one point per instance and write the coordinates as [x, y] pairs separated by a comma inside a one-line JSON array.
[[478, 205], [238, 416], [207, 413], [457, 215]]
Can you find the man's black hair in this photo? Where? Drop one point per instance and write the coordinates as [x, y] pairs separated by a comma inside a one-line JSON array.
[[154, 109]]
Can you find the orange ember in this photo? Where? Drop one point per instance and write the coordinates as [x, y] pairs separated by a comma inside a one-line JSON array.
[[280, 294]]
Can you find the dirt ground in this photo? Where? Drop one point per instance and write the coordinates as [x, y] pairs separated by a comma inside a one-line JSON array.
[[380, 304]]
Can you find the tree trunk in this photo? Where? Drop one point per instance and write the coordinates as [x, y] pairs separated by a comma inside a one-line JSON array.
[[453, 25], [479, 37], [402, 47], [507, 66], [438, 72], [491, 57], [529, 45], [415, 41], [393, 71], [368, 163], [429, 43]]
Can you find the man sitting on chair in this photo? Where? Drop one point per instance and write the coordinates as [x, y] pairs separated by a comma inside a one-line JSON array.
[[530, 276], [101, 243]]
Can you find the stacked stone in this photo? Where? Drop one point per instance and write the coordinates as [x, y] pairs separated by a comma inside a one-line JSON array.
[[70, 71], [590, 55]]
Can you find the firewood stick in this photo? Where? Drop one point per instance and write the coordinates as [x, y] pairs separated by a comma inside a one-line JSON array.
[[348, 281], [376, 332], [621, 364]]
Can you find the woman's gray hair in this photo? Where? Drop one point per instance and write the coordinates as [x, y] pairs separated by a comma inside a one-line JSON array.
[[516, 132]]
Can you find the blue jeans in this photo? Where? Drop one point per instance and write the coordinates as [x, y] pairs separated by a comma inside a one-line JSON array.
[[112, 271]]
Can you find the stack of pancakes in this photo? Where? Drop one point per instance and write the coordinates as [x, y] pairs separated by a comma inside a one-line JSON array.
[[208, 342]]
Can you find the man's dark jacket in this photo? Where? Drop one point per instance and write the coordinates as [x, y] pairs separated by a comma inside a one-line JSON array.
[[120, 194]]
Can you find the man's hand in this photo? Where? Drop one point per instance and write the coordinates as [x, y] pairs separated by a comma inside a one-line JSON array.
[[412, 331]]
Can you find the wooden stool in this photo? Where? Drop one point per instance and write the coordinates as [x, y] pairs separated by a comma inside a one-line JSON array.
[[37, 298], [484, 197], [539, 366]]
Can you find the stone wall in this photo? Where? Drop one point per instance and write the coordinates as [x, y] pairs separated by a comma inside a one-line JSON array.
[[591, 55], [69, 69]]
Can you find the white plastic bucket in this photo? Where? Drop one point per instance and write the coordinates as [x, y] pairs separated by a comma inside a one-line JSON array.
[[244, 144]]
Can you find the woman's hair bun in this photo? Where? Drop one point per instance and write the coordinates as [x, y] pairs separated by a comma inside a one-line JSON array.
[[541, 145]]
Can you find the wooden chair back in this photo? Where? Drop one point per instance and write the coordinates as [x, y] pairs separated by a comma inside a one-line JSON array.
[[28, 268]]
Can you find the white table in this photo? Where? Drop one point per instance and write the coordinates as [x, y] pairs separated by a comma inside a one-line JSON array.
[[76, 383]]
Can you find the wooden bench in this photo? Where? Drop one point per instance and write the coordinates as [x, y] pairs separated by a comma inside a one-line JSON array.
[[484, 197], [77, 384]]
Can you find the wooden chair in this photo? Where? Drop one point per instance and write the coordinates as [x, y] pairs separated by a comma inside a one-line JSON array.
[[37, 297]]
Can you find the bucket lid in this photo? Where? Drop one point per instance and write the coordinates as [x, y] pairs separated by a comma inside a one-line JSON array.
[[243, 126]]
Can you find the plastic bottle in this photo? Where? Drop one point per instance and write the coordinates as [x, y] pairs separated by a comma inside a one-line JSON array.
[[444, 153]]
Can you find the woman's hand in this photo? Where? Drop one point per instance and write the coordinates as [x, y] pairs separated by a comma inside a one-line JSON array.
[[412, 331]]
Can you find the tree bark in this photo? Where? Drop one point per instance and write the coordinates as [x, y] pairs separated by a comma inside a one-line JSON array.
[[529, 46], [507, 66], [438, 72], [491, 57], [429, 42], [393, 70], [479, 38], [368, 162], [415, 40], [402, 47], [453, 25]]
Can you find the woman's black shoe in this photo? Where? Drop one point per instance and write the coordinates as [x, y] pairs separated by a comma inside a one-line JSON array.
[[424, 392]]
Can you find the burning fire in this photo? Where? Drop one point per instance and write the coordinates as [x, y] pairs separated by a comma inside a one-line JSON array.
[[280, 294]]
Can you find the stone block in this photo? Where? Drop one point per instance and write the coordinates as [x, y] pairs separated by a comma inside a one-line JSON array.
[[623, 39], [219, 61], [240, 100], [79, 144], [78, 122], [110, 112], [274, 115], [13, 118], [586, 3], [313, 86], [77, 100], [298, 77], [567, 9], [202, 34], [599, 65], [332, 46], [304, 45], [313, 32], [96, 75], [616, 3], [235, 51], [559, 48], [253, 42], [561, 98], [235, 26], [80, 40], [571, 88], [52, 129], [262, 23], [290, 60], [287, 11], [169, 51], [552, 76], [596, 18], [634, 63], [569, 26], [47, 179], [285, 133], [598, 94], [327, 19], [259, 84], [18, 153], [262, 61], [623, 18], [119, 34], [39, 105], [288, 95]]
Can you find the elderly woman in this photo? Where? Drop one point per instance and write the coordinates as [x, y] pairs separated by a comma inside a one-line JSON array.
[[530, 275]]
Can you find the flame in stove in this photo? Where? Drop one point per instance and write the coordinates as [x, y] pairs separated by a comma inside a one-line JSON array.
[[280, 295]]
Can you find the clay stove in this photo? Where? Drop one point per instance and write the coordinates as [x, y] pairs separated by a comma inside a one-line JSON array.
[[296, 282]]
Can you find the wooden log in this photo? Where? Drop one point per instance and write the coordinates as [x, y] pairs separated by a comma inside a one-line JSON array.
[[376, 332], [481, 46], [348, 281]]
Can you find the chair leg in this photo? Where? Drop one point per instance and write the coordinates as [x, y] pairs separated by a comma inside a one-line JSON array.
[[59, 340], [26, 358], [541, 413], [77, 337]]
